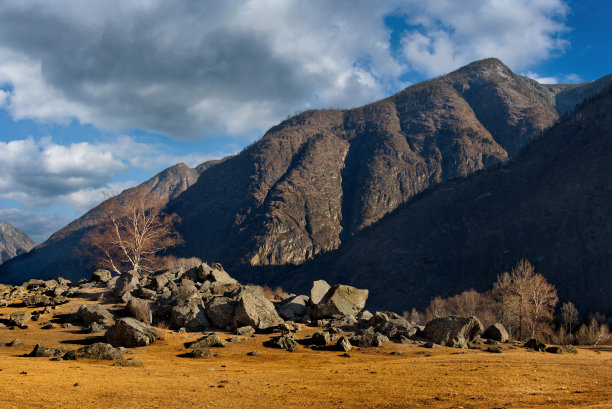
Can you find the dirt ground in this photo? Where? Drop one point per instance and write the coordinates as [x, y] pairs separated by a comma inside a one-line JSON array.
[[371, 378]]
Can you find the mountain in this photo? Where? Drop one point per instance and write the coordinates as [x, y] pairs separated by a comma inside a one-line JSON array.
[[56, 256], [317, 179], [13, 242], [551, 204]]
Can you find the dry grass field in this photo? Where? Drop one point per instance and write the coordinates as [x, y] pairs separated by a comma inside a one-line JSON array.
[[370, 378]]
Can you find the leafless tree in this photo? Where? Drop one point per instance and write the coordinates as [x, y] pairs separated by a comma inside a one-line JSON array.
[[526, 301], [438, 307], [569, 316], [131, 234]]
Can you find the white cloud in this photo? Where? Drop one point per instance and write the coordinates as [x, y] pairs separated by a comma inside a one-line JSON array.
[[559, 79], [449, 34], [38, 226]]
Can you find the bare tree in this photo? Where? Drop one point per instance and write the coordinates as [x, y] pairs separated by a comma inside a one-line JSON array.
[[526, 300], [133, 231], [569, 316], [438, 307]]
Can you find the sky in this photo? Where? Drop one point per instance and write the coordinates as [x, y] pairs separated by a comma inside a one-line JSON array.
[[98, 96]]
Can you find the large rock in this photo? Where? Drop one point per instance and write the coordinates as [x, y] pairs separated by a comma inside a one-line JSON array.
[[20, 318], [535, 344], [220, 312], [127, 282], [208, 341], [129, 332], [496, 332], [37, 300], [318, 291], [41, 351], [88, 313], [453, 331], [341, 301], [190, 316], [255, 310], [101, 276], [285, 341], [214, 273], [369, 338], [140, 309], [99, 350], [294, 307], [397, 327]]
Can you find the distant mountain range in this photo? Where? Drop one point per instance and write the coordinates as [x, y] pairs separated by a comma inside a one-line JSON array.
[[13, 242], [313, 183]]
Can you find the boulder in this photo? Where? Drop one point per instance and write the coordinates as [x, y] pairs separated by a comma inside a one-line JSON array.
[[397, 327], [496, 332], [369, 338], [101, 276], [285, 341], [294, 307], [200, 353], [129, 332], [344, 344], [255, 310], [535, 345], [453, 331], [37, 300], [318, 291], [246, 330], [208, 341], [214, 273], [140, 309], [341, 301], [554, 350], [20, 318], [191, 316], [321, 338], [127, 282], [220, 312], [380, 317], [88, 313], [99, 350], [41, 351]]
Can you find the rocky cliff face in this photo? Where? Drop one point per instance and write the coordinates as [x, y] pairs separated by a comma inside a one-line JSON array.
[[13, 242], [552, 204], [57, 257]]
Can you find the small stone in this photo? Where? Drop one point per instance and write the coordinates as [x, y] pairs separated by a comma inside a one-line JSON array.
[[253, 353]]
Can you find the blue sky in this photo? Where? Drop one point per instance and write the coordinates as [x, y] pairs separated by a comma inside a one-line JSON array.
[[95, 98]]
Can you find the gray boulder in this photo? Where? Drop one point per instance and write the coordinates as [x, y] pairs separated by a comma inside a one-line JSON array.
[[341, 301], [215, 274], [88, 313], [220, 312], [255, 310], [41, 351], [99, 350], [496, 332], [101, 276], [127, 282], [453, 331], [129, 332], [209, 341], [20, 318], [246, 330], [369, 338], [140, 309], [397, 327], [285, 341], [191, 316], [344, 344], [318, 291], [321, 338], [294, 307]]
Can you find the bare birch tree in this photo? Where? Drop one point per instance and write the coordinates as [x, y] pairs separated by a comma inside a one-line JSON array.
[[134, 230]]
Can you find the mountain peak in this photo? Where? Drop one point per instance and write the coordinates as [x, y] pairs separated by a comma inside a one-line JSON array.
[[13, 242]]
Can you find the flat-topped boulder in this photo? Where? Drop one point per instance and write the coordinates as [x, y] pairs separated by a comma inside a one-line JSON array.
[[341, 301], [255, 310], [453, 331], [129, 332]]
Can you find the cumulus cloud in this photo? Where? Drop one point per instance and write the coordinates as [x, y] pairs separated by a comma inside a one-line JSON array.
[[447, 34], [40, 173], [38, 226], [191, 68]]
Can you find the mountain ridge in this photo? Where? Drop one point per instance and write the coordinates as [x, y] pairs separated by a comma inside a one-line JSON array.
[[13, 242]]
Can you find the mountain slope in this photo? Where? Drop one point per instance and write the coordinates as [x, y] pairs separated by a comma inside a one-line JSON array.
[[13, 242], [552, 205], [318, 178], [57, 257]]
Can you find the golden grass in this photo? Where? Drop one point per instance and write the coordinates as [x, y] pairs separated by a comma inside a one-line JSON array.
[[372, 378]]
